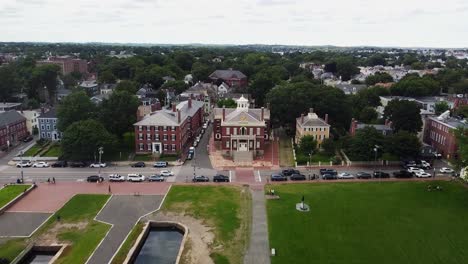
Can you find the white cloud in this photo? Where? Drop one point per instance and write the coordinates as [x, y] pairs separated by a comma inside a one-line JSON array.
[[301, 22]]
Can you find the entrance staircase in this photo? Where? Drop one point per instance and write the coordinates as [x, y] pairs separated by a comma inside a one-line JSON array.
[[243, 158]]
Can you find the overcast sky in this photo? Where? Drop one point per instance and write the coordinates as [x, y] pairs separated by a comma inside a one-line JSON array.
[[423, 23]]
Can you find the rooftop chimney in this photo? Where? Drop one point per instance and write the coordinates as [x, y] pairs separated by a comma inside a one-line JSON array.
[[326, 118], [302, 118], [262, 114], [190, 102], [178, 116], [173, 107], [224, 112], [352, 128]]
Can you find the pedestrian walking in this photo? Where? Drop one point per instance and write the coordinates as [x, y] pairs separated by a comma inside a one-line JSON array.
[[53, 180], [110, 191], [48, 180]]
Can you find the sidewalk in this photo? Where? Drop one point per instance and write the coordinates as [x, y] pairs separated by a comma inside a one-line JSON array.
[[259, 249]]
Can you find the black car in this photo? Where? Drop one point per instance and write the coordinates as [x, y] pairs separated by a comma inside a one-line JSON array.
[[28, 139], [363, 175], [60, 164], [381, 174], [289, 172], [77, 164], [329, 176], [328, 171], [278, 177], [403, 174], [139, 164], [220, 178], [200, 178], [94, 178], [298, 177]]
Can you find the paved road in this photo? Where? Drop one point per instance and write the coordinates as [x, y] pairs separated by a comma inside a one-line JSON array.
[[122, 211], [258, 252], [20, 224]]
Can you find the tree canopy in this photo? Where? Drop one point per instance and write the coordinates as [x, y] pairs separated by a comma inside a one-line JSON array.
[[75, 107], [404, 114], [118, 113]]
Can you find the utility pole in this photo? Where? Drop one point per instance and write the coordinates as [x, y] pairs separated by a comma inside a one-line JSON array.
[[21, 162], [101, 151]]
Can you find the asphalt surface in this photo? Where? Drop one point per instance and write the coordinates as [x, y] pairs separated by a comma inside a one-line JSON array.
[[122, 211], [20, 224]]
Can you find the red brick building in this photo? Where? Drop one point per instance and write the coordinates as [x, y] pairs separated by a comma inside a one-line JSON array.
[[68, 64], [169, 131], [241, 129], [438, 134], [231, 77], [12, 128]]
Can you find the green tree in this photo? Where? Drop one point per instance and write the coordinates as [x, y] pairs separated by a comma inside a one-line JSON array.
[[368, 115], [404, 114], [461, 134], [376, 59], [126, 85], [260, 86], [75, 107], [228, 103], [44, 76], [201, 71], [178, 86], [184, 60], [118, 113], [362, 145], [403, 144], [307, 144], [441, 107], [379, 77], [463, 111], [328, 146], [106, 77], [69, 81], [346, 68], [413, 85], [81, 140], [9, 82]]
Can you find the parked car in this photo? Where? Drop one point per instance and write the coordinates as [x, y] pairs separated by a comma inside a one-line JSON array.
[[345, 175], [198, 139], [23, 164], [423, 175], [135, 177], [329, 176], [116, 178], [28, 139], [156, 177], [289, 172], [328, 171], [166, 173], [221, 178], [195, 143], [94, 178], [415, 170], [278, 177], [97, 165], [60, 164], [77, 164], [446, 170], [139, 164], [40, 164], [191, 150], [160, 164], [298, 177], [205, 126], [200, 178], [363, 175], [189, 156], [402, 174], [381, 174], [425, 165]]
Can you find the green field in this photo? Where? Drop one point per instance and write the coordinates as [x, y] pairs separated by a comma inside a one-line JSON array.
[[225, 209], [389, 222], [76, 227], [32, 151], [54, 151], [10, 192]]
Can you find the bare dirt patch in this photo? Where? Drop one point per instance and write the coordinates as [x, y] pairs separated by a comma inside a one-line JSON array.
[[50, 237], [199, 240]]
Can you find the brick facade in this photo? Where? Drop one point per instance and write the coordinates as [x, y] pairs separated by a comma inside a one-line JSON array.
[[439, 135], [12, 128]]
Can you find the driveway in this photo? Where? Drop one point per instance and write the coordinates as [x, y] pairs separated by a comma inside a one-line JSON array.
[[21, 224], [122, 211]]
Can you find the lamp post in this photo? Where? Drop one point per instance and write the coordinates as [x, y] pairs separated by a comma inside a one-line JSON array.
[[21, 162], [376, 148], [101, 151]]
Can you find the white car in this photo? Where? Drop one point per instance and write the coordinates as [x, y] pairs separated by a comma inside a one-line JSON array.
[[116, 177], [205, 126], [198, 139], [97, 165], [166, 173], [23, 164], [195, 143], [425, 164], [41, 164], [415, 170], [134, 177], [446, 170], [345, 175], [423, 175]]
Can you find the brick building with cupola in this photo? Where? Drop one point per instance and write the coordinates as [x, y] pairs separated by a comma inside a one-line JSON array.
[[242, 131]]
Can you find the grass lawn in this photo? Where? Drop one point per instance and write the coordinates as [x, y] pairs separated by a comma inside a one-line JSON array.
[[286, 152], [388, 222], [225, 209], [127, 245], [54, 151], [76, 227], [10, 192], [32, 151], [143, 157]]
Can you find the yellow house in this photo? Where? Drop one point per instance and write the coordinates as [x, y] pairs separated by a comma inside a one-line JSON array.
[[312, 125]]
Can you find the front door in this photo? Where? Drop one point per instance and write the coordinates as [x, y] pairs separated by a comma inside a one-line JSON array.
[[242, 146], [157, 148]]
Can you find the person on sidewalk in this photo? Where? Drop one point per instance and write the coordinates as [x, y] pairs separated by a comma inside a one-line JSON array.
[[53, 180]]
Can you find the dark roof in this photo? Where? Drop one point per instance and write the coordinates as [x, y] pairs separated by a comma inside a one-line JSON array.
[[227, 74], [10, 117], [50, 114]]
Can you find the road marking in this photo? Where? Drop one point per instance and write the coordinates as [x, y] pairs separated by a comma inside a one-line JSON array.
[[259, 177], [80, 180], [230, 180]]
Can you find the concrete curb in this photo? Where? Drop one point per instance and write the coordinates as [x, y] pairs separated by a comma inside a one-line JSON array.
[[15, 200]]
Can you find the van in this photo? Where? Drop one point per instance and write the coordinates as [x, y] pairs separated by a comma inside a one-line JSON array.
[[160, 164], [116, 177], [134, 177]]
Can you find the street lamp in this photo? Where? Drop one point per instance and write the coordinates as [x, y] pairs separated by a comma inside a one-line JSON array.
[[376, 148], [101, 151], [21, 162]]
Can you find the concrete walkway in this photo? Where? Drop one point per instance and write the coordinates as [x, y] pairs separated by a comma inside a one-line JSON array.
[[122, 211], [259, 249], [21, 224]]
